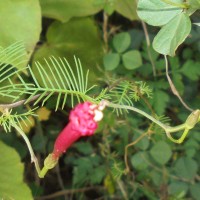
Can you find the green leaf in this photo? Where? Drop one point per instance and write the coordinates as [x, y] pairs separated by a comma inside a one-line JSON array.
[[109, 7], [156, 177], [142, 144], [77, 37], [64, 10], [177, 80], [191, 70], [121, 41], [172, 35], [186, 168], [126, 8], [132, 59], [177, 188], [11, 179], [84, 148], [138, 161], [161, 152], [194, 4], [20, 21], [194, 190], [97, 174], [157, 12], [160, 100], [111, 61]]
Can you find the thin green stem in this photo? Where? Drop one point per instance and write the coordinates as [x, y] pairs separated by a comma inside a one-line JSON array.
[[179, 5], [168, 129], [175, 128], [41, 173], [33, 157], [181, 139], [112, 105]]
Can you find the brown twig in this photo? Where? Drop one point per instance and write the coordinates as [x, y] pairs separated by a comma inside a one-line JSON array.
[[132, 144], [173, 88], [105, 30], [18, 103], [65, 192], [60, 181], [148, 47]]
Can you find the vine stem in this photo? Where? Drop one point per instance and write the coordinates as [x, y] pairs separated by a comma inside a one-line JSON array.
[[33, 157], [164, 126]]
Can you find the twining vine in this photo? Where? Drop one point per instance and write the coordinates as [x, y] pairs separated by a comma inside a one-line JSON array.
[[66, 82]]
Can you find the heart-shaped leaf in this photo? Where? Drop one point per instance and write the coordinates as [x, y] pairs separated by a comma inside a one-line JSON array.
[[172, 35], [157, 12]]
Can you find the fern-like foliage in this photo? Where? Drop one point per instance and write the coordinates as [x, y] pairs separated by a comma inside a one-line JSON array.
[[64, 82], [117, 169], [165, 120], [56, 77], [8, 118], [126, 92], [10, 60]]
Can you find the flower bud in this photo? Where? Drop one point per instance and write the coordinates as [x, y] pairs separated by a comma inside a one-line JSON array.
[[192, 119]]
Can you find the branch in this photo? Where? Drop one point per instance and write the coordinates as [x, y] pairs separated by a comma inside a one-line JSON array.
[[64, 192], [18, 103]]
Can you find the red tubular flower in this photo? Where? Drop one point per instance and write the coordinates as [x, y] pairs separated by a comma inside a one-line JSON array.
[[82, 122]]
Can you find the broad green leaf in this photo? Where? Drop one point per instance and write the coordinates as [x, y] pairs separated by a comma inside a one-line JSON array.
[[186, 168], [156, 177], [132, 59], [161, 152], [77, 37], [191, 70], [157, 12], [138, 161], [64, 10], [172, 35], [11, 179], [177, 187], [195, 4], [191, 147], [109, 7], [194, 190], [111, 61], [121, 41], [20, 21], [127, 8]]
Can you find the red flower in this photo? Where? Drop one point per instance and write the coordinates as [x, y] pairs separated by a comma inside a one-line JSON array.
[[82, 122]]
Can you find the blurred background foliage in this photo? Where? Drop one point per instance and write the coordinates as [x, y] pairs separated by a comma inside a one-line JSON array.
[[111, 42]]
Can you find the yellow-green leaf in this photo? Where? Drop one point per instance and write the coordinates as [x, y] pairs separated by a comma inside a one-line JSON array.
[[12, 185], [64, 10], [20, 21]]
